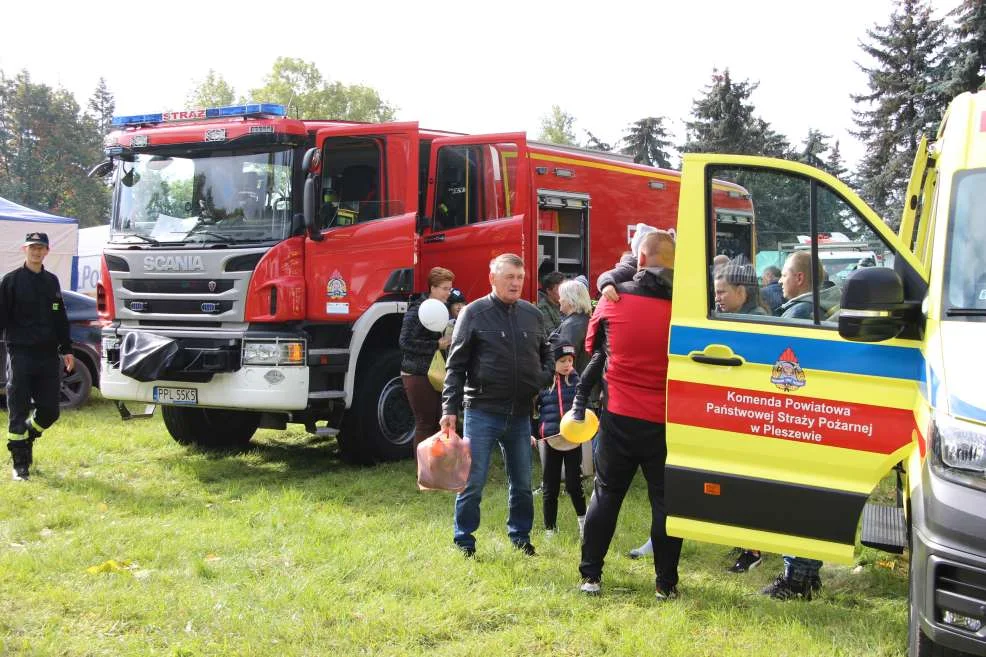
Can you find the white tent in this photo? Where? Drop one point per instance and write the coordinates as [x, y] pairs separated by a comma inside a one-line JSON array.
[[16, 222], [91, 243]]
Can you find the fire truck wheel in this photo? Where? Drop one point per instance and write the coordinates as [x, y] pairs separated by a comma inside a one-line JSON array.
[[210, 428], [381, 420]]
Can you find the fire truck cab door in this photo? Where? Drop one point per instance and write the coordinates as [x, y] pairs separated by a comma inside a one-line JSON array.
[[477, 208], [778, 429], [366, 208]]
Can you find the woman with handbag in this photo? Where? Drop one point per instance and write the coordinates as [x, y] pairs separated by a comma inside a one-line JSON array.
[[418, 347]]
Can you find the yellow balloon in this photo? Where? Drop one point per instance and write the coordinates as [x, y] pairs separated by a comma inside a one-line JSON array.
[[579, 432]]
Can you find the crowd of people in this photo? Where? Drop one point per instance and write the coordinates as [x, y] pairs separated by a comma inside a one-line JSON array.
[[513, 369]]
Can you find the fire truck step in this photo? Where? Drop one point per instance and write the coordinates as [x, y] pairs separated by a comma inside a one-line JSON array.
[[884, 528], [327, 394]]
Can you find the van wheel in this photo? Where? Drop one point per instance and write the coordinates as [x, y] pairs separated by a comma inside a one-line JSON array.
[[210, 428], [380, 424], [76, 386]]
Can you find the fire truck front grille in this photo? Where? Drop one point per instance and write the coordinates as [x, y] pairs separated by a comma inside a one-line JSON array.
[[191, 286]]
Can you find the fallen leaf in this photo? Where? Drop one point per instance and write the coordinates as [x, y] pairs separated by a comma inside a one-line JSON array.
[[110, 566]]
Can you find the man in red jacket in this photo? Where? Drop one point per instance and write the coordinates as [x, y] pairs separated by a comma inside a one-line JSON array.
[[628, 341]]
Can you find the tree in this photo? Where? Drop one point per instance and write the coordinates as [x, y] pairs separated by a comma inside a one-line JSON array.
[[596, 143], [723, 120], [904, 101], [47, 147], [299, 85], [556, 127], [647, 141], [834, 163], [101, 105], [966, 57], [814, 147], [212, 91]]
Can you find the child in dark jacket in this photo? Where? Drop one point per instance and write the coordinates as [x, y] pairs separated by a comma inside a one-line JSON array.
[[553, 402]]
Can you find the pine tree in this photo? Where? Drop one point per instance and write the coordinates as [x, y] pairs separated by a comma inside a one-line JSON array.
[[596, 143], [834, 163], [647, 142], [556, 127], [723, 117], [966, 58], [814, 147], [101, 105], [904, 101]]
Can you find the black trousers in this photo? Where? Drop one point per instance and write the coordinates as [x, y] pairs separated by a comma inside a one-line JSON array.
[[626, 443], [426, 404], [551, 482], [32, 374]]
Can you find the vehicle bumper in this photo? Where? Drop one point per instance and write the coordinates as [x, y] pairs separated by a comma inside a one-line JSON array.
[[948, 560], [247, 388]]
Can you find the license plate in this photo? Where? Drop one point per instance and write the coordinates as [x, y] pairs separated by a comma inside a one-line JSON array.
[[188, 396]]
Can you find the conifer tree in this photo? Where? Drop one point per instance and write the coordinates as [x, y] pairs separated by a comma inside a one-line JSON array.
[[904, 101], [723, 119], [647, 141], [966, 57], [101, 107], [596, 143]]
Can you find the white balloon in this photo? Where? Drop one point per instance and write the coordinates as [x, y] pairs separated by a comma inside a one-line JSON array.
[[433, 315]]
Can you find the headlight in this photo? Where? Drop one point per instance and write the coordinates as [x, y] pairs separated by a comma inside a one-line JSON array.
[[273, 352], [958, 450]]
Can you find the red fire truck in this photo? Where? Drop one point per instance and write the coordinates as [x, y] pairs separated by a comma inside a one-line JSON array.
[[259, 266]]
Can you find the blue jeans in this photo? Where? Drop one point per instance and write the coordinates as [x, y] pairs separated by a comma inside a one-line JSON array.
[[513, 433]]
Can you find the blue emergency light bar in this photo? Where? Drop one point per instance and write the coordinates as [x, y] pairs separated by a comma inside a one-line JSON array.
[[250, 109]]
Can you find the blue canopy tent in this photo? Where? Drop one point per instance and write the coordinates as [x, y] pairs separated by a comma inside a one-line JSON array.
[[16, 221]]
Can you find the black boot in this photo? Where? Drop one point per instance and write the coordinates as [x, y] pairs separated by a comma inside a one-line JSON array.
[[32, 435], [20, 452]]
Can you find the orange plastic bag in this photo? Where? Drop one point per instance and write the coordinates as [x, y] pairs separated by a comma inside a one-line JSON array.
[[444, 460]]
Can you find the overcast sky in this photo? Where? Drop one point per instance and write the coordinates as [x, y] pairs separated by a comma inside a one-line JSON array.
[[471, 66]]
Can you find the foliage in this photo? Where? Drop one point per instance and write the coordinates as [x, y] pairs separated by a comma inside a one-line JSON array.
[[647, 140], [282, 549], [101, 105], [904, 101], [557, 127], [597, 144], [300, 86], [723, 121], [212, 91], [965, 57], [47, 147]]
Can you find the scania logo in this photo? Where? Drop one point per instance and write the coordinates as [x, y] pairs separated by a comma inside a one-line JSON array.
[[173, 263], [209, 307]]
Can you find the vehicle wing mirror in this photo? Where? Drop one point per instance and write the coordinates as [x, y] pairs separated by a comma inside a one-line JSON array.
[[102, 169], [873, 308], [308, 204], [311, 158]]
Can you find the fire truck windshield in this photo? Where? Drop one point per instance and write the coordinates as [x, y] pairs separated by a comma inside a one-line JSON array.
[[227, 197]]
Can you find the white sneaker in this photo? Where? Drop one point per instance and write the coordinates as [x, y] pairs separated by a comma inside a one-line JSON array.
[[644, 550], [590, 587]]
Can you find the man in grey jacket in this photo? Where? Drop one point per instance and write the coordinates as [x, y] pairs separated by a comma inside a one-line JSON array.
[[498, 361]]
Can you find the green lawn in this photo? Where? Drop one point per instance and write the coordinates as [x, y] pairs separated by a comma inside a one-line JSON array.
[[285, 550]]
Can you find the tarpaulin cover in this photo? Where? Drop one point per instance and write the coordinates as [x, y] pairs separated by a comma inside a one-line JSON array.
[[145, 356]]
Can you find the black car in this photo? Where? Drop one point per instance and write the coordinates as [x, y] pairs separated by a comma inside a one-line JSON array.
[[86, 345]]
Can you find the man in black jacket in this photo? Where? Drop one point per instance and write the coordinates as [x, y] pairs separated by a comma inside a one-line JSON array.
[[498, 361], [32, 313]]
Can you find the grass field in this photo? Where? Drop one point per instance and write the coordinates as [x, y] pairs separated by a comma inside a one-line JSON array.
[[285, 550]]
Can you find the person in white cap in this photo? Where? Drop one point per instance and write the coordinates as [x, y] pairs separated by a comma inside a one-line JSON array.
[[32, 314]]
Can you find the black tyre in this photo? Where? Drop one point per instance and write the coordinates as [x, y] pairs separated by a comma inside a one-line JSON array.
[[210, 428], [76, 386], [380, 424]]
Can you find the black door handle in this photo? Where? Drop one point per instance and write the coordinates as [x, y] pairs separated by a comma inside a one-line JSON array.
[[712, 360]]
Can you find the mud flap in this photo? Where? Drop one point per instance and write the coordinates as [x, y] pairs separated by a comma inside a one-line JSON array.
[[126, 414]]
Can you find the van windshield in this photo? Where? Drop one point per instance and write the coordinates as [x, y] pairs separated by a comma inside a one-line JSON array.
[[965, 262]]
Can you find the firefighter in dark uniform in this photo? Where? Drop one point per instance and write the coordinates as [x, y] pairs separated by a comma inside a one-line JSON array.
[[32, 314]]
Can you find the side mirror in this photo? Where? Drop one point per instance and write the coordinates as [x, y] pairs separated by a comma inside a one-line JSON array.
[[311, 156], [308, 205], [873, 308], [102, 169]]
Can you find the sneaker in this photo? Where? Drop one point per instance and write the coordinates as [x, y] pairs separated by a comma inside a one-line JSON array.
[[783, 588], [666, 592], [644, 550], [590, 586], [747, 560], [20, 454], [526, 548], [469, 551]]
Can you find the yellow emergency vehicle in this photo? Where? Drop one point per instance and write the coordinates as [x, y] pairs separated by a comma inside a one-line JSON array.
[[780, 427]]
